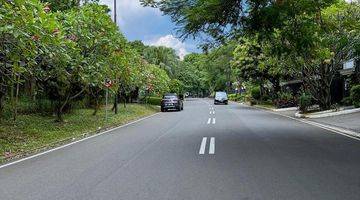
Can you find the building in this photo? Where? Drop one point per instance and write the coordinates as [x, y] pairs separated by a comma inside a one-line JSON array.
[[350, 75]]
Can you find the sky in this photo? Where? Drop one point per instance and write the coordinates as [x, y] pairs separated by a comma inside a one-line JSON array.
[[150, 26]]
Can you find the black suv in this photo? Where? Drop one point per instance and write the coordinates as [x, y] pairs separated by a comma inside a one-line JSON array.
[[172, 101]]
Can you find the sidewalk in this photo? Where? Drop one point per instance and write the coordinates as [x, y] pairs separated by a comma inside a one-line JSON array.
[[348, 121], [348, 124]]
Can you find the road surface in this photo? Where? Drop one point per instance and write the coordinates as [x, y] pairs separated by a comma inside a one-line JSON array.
[[206, 152]]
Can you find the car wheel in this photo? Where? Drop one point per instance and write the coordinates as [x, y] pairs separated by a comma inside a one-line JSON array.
[[162, 110], [182, 107]]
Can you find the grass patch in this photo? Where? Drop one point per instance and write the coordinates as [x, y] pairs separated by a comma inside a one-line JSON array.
[[34, 131]]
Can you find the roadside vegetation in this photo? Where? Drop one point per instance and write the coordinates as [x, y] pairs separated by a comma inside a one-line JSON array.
[[57, 59], [35, 132], [291, 52]]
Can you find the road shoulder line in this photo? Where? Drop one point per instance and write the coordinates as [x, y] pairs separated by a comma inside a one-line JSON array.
[[340, 131], [77, 141]]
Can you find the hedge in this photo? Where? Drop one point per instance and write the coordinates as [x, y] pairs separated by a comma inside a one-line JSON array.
[[355, 95], [154, 101]]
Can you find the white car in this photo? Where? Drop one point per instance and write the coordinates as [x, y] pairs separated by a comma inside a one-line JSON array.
[[221, 98]]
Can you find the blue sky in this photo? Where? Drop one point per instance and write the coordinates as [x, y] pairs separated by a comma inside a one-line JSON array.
[[150, 26]]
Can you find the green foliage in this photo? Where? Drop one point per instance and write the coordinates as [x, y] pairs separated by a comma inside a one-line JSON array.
[[154, 101], [256, 93], [236, 97], [276, 40], [65, 56], [33, 131], [176, 86], [305, 101], [347, 101], [285, 100], [157, 81], [61, 5], [222, 20], [355, 95]]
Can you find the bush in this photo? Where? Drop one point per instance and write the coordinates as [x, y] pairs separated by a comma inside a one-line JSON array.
[[305, 102], [355, 95], [235, 97], [285, 100], [255, 93], [232, 97], [154, 101], [347, 101]]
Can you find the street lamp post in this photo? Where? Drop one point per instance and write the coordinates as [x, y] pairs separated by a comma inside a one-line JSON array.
[[115, 12]]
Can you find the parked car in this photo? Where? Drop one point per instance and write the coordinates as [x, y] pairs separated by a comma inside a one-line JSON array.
[[221, 98], [172, 101]]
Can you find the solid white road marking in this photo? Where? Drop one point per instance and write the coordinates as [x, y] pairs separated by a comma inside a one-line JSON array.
[[322, 126], [212, 146], [78, 141], [214, 121], [203, 146], [209, 120]]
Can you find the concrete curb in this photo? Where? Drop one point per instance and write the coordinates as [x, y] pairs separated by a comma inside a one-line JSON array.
[[328, 113], [272, 109], [285, 109], [344, 132]]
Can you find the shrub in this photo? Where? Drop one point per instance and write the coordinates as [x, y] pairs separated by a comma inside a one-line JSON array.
[[235, 97], [347, 101], [304, 102], [255, 93], [285, 100], [355, 95], [154, 101]]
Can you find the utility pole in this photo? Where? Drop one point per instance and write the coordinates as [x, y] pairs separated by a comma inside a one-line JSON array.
[[115, 12]]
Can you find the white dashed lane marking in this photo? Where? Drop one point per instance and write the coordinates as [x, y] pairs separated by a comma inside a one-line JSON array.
[[212, 146], [204, 144]]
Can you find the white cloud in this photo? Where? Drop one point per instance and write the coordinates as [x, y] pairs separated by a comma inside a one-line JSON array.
[[171, 42], [127, 9]]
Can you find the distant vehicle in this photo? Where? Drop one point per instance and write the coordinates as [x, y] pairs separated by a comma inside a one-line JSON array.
[[172, 101], [221, 98]]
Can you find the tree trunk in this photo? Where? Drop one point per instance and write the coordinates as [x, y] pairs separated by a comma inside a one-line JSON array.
[[124, 102], [115, 107], [60, 108], [2, 96], [16, 99], [276, 85], [59, 116], [96, 107]]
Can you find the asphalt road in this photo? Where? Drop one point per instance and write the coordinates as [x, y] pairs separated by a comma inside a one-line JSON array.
[[244, 153]]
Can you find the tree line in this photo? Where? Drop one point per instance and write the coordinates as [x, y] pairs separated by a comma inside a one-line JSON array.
[[270, 42], [63, 52]]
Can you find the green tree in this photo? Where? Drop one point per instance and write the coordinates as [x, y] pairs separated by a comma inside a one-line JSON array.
[[61, 5]]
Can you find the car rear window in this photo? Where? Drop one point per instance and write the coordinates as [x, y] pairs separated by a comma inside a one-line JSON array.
[[221, 94], [170, 97]]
